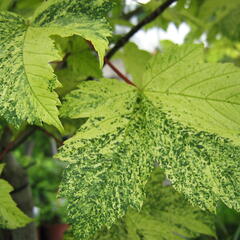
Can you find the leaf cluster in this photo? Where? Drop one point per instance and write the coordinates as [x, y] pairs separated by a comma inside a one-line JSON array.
[[179, 112]]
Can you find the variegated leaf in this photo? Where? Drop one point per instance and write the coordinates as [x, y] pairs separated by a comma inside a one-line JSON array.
[[26, 77], [161, 120]]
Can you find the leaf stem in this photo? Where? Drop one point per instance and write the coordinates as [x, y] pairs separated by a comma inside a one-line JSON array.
[[118, 72]]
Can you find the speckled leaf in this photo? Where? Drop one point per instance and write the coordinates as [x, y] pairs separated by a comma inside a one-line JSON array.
[[202, 166], [107, 169], [84, 18], [165, 215], [10, 216], [130, 129], [98, 99], [205, 96], [26, 78]]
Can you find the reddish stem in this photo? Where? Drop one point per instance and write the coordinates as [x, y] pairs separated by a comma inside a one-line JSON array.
[[60, 142], [6, 150], [12, 145], [121, 75]]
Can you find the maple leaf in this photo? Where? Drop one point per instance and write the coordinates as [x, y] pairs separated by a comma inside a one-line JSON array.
[[26, 77], [171, 117]]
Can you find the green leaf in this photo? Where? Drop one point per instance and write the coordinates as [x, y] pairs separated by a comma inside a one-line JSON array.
[[134, 60], [81, 63], [1, 168], [5, 4], [223, 50], [161, 120], [26, 7], [213, 19], [219, 15], [26, 77], [152, 5], [214, 11], [10, 216], [165, 215]]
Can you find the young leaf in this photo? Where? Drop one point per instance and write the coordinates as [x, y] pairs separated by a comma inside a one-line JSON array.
[[134, 60], [26, 78], [114, 152], [10, 216]]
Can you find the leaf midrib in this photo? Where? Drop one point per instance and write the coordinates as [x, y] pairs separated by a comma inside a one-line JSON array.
[[169, 67], [192, 96], [208, 100]]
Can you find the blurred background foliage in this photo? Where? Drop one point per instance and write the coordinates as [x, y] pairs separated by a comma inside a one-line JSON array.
[[44, 172], [165, 214]]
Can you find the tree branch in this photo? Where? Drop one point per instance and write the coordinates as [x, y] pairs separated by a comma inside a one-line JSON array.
[[152, 16]]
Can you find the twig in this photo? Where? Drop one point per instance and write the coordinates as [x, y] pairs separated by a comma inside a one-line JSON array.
[[121, 75], [60, 142], [13, 145], [152, 16], [22, 138]]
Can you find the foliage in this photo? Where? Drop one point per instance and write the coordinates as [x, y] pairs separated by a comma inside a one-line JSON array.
[[105, 160], [81, 63], [162, 208], [134, 60], [10, 216], [44, 175], [32, 50], [180, 111]]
